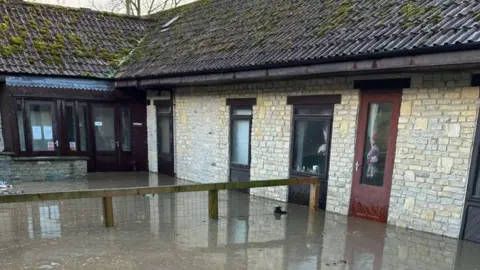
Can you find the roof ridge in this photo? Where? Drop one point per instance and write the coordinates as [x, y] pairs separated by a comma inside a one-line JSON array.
[[72, 9]]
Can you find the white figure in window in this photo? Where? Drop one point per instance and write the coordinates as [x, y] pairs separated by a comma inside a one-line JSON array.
[[372, 157], [322, 150]]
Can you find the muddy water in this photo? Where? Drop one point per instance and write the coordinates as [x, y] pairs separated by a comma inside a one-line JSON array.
[[172, 231]]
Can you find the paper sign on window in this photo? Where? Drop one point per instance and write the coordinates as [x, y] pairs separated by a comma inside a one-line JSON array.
[[47, 132], [51, 146], [73, 146], [98, 123], [37, 132]]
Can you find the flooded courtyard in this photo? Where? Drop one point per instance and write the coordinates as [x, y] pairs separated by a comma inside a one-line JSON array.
[[172, 231]]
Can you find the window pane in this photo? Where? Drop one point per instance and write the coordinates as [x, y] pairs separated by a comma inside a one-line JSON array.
[[247, 111], [163, 134], [240, 142], [311, 146], [376, 143], [83, 126], [21, 127], [41, 126], [126, 129], [314, 111], [476, 189], [104, 123], [71, 126], [166, 109]]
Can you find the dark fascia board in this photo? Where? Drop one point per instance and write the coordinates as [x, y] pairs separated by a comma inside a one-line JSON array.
[[382, 84], [476, 80], [241, 101], [413, 63], [314, 100]]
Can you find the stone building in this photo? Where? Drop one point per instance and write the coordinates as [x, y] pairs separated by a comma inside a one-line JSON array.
[[376, 98]]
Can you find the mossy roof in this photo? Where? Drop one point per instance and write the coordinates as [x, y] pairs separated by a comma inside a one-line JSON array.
[[219, 35], [54, 40]]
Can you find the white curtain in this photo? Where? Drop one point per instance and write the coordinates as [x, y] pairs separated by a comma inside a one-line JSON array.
[[323, 148], [372, 156]]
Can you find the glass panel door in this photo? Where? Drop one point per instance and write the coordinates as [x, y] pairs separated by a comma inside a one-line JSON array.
[[374, 155], [165, 139], [104, 126], [42, 119], [240, 142]]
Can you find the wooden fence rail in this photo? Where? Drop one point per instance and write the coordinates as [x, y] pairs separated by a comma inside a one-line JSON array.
[[213, 188]]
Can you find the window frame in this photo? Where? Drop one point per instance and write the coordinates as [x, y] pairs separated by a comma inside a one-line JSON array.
[[233, 118], [59, 125], [315, 118]]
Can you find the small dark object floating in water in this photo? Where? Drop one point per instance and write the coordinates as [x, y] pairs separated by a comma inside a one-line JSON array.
[[278, 210]]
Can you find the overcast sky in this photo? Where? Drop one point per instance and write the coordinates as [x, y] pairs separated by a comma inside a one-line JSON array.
[[93, 4]]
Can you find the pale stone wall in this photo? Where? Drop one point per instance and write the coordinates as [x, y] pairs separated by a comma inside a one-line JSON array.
[[152, 138], [435, 136], [202, 133]]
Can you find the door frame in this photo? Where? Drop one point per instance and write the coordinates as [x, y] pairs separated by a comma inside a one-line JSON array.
[[471, 200], [369, 96], [240, 103], [171, 157]]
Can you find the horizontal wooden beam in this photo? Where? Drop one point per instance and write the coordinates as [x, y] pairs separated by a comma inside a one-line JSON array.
[[100, 193]]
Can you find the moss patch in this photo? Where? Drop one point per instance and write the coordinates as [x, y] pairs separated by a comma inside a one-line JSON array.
[[338, 17]]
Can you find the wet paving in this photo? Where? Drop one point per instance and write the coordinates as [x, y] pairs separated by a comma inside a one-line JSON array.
[[172, 231]]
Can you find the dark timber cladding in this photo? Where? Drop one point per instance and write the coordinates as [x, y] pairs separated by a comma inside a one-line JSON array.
[[470, 229], [74, 131], [476, 80]]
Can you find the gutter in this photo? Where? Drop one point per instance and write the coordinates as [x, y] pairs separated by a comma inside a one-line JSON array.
[[426, 62]]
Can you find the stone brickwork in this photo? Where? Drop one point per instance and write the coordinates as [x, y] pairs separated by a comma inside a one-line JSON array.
[[435, 136], [41, 169], [202, 133]]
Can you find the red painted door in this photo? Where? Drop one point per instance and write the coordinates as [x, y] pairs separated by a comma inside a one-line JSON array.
[[375, 154]]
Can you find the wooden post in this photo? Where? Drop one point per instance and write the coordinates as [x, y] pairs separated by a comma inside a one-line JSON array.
[[213, 204], [108, 211], [314, 196]]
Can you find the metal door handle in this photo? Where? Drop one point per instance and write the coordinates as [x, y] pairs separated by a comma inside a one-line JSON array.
[[117, 143], [56, 143], [357, 165]]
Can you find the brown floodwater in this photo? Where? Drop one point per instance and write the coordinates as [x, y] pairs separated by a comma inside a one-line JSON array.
[[172, 231]]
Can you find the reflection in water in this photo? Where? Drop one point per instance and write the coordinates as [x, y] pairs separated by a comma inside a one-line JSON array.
[[49, 220], [173, 231]]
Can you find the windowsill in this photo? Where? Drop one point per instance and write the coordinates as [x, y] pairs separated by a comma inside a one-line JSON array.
[[45, 158], [305, 174]]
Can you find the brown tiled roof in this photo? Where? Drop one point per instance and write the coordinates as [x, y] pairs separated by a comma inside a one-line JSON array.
[[54, 40], [218, 35]]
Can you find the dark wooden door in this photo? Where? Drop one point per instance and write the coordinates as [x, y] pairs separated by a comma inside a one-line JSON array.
[[165, 139], [374, 155], [240, 130], [471, 216], [112, 130]]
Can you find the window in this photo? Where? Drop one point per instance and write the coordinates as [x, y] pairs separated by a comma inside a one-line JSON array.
[[83, 126], [52, 127], [126, 129], [71, 125], [41, 117], [21, 127], [163, 132], [311, 139]]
